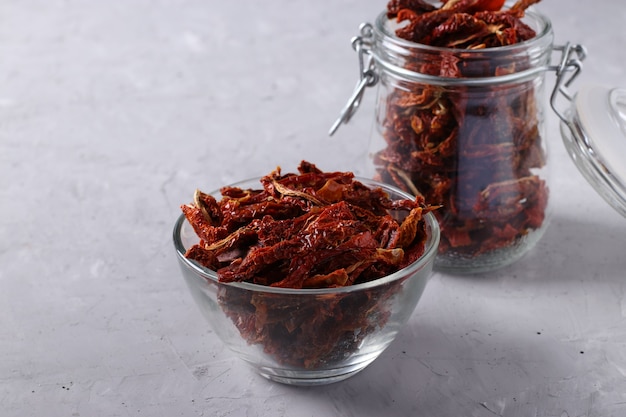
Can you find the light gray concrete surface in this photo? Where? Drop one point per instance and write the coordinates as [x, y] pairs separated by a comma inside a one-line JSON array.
[[113, 112]]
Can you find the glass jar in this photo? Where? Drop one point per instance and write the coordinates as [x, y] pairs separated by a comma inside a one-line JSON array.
[[465, 129]]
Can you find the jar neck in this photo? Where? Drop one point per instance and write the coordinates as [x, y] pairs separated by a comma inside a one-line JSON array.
[[415, 62]]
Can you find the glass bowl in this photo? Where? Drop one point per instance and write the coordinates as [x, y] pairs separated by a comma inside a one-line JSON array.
[[352, 325]]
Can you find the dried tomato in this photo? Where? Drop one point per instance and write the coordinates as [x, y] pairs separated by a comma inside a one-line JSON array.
[[310, 229], [295, 221], [473, 153]]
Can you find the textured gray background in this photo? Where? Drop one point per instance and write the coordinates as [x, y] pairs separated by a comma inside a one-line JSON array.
[[113, 112]]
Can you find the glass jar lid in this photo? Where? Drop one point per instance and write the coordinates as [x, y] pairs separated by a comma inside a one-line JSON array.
[[595, 137]]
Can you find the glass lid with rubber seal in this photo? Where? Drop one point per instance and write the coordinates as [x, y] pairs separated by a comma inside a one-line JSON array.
[[594, 133]]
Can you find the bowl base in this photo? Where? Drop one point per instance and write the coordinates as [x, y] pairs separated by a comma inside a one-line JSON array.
[[311, 378]]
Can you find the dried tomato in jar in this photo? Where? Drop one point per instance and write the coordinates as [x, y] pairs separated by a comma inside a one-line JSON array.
[[460, 120]]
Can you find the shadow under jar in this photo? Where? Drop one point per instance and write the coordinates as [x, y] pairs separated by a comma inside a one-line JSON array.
[[465, 128]]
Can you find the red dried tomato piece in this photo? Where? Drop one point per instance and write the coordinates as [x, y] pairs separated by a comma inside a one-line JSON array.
[[310, 229], [301, 226], [473, 153]]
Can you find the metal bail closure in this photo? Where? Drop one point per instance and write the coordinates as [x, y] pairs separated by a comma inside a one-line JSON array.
[[368, 76], [568, 69]]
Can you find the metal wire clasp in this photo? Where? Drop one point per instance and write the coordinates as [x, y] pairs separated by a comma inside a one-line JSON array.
[[368, 77], [566, 72]]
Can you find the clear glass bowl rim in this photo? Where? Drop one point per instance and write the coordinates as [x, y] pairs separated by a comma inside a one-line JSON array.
[[430, 251]]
